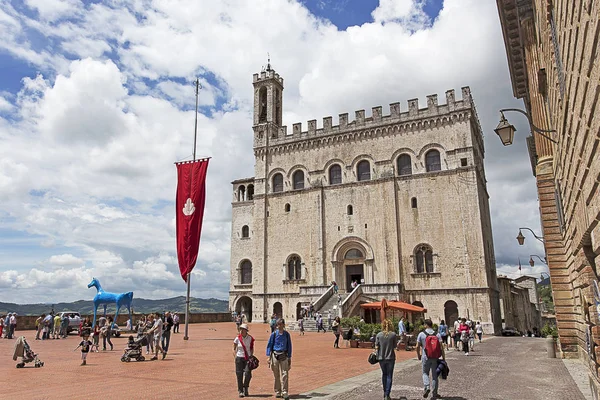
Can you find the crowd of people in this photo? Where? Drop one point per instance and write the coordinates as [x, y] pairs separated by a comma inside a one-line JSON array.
[[8, 324]]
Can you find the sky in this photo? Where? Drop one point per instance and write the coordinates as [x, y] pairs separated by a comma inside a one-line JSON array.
[[97, 103]]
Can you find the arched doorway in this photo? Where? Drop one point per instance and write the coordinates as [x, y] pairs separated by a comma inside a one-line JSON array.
[[354, 260], [278, 310], [298, 311], [417, 316], [450, 312], [244, 307]]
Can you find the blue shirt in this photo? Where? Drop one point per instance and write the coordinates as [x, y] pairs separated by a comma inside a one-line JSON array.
[[280, 342], [401, 328], [443, 330]]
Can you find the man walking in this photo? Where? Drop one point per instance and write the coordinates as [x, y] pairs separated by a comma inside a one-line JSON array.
[[279, 351], [156, 330], [39, 325], [166, 334], [402, 331], [429, 351]]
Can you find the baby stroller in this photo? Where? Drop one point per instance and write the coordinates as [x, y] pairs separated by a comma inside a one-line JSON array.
[[27, 355], [134, 349]]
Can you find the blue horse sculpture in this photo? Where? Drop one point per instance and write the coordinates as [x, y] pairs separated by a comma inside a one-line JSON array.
[[105, 298]]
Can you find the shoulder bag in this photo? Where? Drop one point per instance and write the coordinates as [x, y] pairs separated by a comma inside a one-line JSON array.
[[252, 360]]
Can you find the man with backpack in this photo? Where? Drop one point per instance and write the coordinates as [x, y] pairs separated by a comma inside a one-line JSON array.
[[432, 351]]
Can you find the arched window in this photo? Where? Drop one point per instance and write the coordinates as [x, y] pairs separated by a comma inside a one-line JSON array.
[[429, 261], [277, 183], [242, 193], [245, 231], [432, 161], [287, 207], [335, 174], [363, 171], [413, 202], [423, 259], [246, 272], [298, 179], [250, 193], [404, 165], [353, 254], [349, 210], [294, 268], [262, 105]]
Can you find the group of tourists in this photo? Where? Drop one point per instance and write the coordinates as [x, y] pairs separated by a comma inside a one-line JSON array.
[[278, 351], [8, 325], [430, 352], [156, 327], [464, 334], [51, 326]]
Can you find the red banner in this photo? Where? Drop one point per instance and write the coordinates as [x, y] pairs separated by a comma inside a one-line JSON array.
[[189, 211]]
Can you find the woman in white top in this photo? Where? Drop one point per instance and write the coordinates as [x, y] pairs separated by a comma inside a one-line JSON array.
[[243, 349], [479, 330]]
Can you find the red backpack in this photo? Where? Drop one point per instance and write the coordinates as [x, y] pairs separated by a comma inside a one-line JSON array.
[[433, 348]]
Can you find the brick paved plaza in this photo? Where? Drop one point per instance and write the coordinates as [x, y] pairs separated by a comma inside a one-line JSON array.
[[201, 368], [500, 368]]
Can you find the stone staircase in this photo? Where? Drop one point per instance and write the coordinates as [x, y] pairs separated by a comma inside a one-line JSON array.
[[310, 324]]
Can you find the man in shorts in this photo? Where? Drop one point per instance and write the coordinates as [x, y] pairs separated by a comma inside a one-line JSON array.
[[156, 331]]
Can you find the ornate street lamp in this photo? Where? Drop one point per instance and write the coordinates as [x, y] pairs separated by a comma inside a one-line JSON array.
[[506, 131], [532, 263], [521, 238]]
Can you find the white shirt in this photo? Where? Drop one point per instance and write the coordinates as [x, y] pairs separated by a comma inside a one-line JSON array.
[[478, 328], [13, 320], [240, 350], [158, 325]]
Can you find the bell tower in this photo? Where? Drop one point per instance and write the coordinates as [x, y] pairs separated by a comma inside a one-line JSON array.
[[268, 102]]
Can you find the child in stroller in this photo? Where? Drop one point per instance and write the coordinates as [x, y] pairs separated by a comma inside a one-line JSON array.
[[27, 355], [134, 349]]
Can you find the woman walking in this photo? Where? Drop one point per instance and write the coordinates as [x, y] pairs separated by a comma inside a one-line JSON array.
[[464, 330], [479, 330], [443, 331], [386, 342], [106, 333], [243, 349], [335, 327]]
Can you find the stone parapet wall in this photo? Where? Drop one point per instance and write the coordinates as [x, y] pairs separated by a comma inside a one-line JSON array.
[[27, 322]]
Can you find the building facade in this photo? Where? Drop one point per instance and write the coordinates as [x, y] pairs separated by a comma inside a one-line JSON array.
[[396, 203], [519, 303], [553, 55]]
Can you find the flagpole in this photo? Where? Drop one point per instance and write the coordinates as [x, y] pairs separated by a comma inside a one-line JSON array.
[[189, 275]]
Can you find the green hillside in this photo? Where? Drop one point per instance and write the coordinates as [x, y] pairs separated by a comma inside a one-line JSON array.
[[175, 304]]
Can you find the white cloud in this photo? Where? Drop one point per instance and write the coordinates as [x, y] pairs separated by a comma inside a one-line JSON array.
[[86, 163], [408, 13], [52, 10], [5, 105], [66, 260]]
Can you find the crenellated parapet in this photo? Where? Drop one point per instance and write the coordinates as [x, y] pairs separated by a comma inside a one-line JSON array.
[[268, 74], [413, 117]]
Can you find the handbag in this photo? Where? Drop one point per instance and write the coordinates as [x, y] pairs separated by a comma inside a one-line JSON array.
[[372, 358], [252, 360]]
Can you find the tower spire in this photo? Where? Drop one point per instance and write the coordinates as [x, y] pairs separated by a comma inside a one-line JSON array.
[[268, 62]]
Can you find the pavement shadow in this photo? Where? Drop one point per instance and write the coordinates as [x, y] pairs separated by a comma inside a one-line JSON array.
[[440, 398]]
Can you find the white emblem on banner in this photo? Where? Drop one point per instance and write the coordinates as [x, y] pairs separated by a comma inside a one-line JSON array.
[[189, 208]]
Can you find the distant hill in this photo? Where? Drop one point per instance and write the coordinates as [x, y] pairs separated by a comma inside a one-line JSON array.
[[175, 304]]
